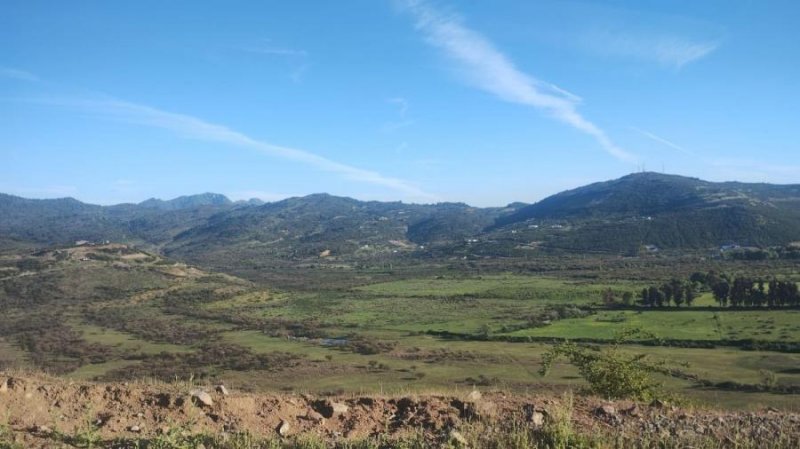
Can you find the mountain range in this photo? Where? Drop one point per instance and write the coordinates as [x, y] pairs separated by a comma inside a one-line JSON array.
[[622, 215]]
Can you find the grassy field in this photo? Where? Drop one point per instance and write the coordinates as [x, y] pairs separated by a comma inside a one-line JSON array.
[[375, 337], [680, 325]]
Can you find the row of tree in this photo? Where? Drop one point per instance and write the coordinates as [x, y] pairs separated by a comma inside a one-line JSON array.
[[739, 291], [747, 292], [675, 292]]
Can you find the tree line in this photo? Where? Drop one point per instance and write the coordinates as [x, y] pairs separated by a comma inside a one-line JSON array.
[[728, 291], [675, 292], [747, 292]]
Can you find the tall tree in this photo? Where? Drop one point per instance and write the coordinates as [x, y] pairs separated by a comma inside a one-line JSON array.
[[721, 290]]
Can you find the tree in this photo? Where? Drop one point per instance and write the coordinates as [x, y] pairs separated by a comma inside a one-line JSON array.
[[627, 298], [720, 291], [644, 296], [609, 298], [655, 297], [677, 292], [698, 278], [667, 293], [689, 293]]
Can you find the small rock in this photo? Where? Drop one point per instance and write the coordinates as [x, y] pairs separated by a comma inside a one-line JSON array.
[[474, 396], [314, 416], [339, 408], [135, 429], [606, 410], [284, 428], [222, 390], [328, 408], [633, 411], [537, 419], [458, 438], [202, 397]]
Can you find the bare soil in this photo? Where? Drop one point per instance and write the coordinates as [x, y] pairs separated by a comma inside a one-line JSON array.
[[32, 407]]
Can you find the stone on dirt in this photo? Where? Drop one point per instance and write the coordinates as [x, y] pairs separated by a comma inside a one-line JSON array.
[[606, 410], [537, 419], [202, 397], [284, 428]]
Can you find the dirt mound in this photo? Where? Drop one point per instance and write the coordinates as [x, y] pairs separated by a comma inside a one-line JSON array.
[[37, 406]]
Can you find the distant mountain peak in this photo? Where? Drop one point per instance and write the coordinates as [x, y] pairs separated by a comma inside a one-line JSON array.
[[188, 201]]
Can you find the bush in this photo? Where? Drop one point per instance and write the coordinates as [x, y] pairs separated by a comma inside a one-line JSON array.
[[609, 372]]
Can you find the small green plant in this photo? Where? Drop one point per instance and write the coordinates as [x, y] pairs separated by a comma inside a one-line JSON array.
[[610, 372], [768, 378]]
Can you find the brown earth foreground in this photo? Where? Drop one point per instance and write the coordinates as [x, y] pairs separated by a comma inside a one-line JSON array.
[[41, 411]]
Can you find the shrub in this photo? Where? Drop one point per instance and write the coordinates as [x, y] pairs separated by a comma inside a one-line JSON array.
[[609, 372]]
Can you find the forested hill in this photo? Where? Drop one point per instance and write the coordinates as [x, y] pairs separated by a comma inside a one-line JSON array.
[[621, 215], [668, 211], [647, 194]]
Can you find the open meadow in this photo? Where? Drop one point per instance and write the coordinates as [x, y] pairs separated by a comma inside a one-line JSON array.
[[113, 315]]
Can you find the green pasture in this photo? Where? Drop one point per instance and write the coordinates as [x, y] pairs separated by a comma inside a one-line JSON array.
[[687, 324]]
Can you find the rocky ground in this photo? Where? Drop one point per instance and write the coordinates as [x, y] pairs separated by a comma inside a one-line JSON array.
[[39, 410]]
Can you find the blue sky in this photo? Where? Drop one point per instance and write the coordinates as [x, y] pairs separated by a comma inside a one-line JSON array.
[[420, 101]]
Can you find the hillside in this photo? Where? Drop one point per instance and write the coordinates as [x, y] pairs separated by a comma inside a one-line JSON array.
[[619, 216], [327, 227], [65, 220], [667, 211]]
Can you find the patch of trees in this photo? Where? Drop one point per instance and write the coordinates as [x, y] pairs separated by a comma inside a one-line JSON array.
[[547, 317], [148, 326], [675, 292], [364, 346], [208, 360], [52, 345], [743, 291], [738, 291], [28, 291]]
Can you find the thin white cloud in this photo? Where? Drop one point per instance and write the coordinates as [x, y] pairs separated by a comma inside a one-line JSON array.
[[750, 170], [17, 74], [665, 50], [402, 105], [190, 127], [663, 141], [490, 70], [267, 47], [298, 58], [402, 115]]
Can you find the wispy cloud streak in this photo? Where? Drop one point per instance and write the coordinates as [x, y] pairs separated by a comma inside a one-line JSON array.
[[490, 70], [663, 141], [667, 51], [17, 74], [190, 127]]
